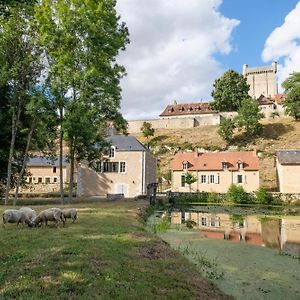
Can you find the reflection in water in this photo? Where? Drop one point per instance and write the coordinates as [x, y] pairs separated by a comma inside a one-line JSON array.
[[283, 234]]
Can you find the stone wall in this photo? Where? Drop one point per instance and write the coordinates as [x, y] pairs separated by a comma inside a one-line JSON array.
[[176, 123]]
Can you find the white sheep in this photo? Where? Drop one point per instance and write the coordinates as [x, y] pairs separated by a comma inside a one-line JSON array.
[[15, 216], [30, 213], [50, 214], [70, 213]]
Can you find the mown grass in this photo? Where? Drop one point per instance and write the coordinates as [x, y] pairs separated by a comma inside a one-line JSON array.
[[106, 254]]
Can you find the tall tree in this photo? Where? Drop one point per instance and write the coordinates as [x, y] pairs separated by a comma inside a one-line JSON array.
[[41, 129], [229, 92], [190, 179], [292, 89], [20, 67], [81, 40]]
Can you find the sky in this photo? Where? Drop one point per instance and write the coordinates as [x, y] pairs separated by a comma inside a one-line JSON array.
[[179, 48]]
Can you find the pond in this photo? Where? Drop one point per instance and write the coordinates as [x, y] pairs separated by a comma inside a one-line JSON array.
[[272, 231], [249, 253]]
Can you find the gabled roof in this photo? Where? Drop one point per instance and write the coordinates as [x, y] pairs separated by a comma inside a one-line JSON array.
[[125, 143], [279, 98], [43, 161], [288, 157], [212, 161], [187, 109], [262, 100]]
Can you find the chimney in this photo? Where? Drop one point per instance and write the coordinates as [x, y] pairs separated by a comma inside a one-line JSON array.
[[245, 67]]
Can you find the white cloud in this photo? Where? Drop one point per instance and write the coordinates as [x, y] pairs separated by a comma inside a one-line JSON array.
[[171, 52], [284, 44]]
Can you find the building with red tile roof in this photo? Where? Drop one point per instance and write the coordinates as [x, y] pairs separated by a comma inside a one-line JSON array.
[[187, 110], [215, 171]]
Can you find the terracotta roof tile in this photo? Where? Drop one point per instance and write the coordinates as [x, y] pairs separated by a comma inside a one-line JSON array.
[[212, 161], [279, 98], [187, 109]]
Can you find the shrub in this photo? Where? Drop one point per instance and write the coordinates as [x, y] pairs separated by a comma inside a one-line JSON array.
[[263, 197], [238, 195], [190, 224]]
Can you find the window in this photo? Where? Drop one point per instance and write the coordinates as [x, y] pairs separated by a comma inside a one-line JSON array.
[[240, 165], [40, 180], [212, 178], [122, 167], [112, 152], [54, 179], [203, 221], [29, 179], [54, 169], [110, 167], [203, 178], [224, 165], [240, 179], [47, 180], [183, 180], [185, 165]]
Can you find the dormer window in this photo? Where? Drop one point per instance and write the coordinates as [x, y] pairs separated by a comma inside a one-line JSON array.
[[240, 165], [224, 165], [185, 165], [112, 151]]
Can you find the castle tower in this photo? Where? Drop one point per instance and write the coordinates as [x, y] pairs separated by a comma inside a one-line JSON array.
[[262, 80]]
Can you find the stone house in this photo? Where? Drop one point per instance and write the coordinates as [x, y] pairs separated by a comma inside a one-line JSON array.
[[43, 174], [288, 171], [128, 169], [215, 171], [270, 106]]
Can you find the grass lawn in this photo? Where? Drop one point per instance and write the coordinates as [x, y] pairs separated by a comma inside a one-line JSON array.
[[248, 272], [106, 254]]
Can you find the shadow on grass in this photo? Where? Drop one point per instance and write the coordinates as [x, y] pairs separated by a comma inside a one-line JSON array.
[[100, 256]]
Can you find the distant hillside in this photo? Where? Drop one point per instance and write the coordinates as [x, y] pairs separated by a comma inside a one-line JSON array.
[[277, 134]]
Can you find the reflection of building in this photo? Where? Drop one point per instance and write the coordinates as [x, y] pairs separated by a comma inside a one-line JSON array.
[[261, 80], [215, 171], [128, 169], [44, 174], [273, 233], [288, 171], [223, 226]]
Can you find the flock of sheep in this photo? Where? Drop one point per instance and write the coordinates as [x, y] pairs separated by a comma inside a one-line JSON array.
[[26, 215]]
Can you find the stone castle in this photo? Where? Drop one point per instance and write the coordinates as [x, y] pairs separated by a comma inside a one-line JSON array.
[[263, 87]]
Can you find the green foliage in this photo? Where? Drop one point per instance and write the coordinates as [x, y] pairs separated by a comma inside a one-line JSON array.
[[263, 197], [147, 130], [190, 224], [238, 195], [190, 179], [226, 128], [160, 225], [292, 88], [229, 92], [248, 117]]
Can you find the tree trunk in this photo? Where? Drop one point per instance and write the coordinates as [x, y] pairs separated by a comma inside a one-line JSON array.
[[72, 162], [14, 128], [61, 136], [24, 165]]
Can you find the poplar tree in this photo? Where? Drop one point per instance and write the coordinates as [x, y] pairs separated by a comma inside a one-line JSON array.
[[81, 40]]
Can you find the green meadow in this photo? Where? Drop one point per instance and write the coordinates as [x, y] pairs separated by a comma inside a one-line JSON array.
[[106, 254]]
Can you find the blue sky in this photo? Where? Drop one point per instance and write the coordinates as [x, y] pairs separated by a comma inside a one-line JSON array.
[[180, 47], [258, 18]]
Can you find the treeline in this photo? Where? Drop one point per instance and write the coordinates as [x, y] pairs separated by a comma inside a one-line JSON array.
[[59, 81]]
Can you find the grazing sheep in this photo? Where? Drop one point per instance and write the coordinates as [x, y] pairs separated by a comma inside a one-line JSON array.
[[30, 213], [50, 214], [70, 213], [15, 216]]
